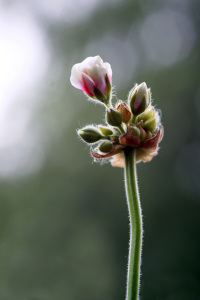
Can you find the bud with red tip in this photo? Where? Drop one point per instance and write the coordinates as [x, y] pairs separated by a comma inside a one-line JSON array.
[[124, 110]]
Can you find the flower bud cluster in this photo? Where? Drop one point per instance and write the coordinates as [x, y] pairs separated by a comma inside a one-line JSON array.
[[134, 123]]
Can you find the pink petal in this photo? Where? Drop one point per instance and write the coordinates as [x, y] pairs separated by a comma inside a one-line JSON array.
[[88, 84]]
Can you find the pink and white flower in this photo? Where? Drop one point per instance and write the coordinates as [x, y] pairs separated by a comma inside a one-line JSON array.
[[91, 73]]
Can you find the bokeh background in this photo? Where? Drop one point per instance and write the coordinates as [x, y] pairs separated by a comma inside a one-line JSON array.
[[63, 219]]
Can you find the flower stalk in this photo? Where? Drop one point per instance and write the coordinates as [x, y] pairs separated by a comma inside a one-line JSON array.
[[135, 217]]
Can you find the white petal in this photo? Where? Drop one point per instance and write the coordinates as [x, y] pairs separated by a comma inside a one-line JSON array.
[[95, 68], [98, 74], [142, 91], [76, 76], [107, 66], [98, 60]]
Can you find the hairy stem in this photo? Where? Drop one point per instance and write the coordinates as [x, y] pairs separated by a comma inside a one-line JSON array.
[[135, 216]]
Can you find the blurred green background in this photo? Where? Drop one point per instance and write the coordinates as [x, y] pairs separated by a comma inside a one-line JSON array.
[[63, 219]]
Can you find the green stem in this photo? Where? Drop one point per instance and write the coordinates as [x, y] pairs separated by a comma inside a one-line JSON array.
[[135, 245]]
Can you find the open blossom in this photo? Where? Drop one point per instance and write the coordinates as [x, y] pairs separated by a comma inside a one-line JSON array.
[[92, 76]]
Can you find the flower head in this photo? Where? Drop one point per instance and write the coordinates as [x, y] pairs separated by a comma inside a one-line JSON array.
[[94, 77], [133, 124]]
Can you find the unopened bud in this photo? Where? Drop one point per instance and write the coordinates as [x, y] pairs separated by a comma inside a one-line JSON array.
[[146, 115], [105, 130], [113, 117], [135, 131], [90, 134], [124, 110], [143, 134], [139, 99], [150, 124], [105, 146]]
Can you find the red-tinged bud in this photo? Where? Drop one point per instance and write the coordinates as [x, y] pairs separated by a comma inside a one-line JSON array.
[[124, 110]]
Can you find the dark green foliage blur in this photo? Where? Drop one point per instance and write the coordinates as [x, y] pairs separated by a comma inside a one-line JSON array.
[[64, 228]]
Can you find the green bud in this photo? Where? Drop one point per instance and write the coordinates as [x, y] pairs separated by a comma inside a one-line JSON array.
[[105, 130], [139, 99], [90, 134], [135, 131], [113, 117], [146, 115], [105, 146], [150, 124]]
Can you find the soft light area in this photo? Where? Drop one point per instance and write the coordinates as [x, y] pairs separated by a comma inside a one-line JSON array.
[[23, 61]]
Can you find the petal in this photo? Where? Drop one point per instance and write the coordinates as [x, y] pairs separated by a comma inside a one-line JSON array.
[[88, 84], [98, 74], [91, 61], [97, 60], [77, 69], [76, 76], [107, 66]]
